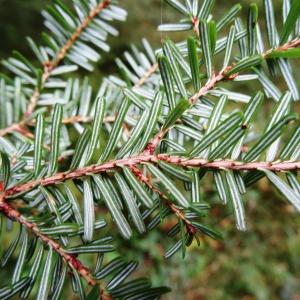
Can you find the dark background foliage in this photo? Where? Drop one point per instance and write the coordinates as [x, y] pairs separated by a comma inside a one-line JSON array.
[[262, 263]]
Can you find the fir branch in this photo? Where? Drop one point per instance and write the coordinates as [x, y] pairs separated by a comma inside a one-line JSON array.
[[211, 83], [147, 158], [49, 66], [71, 260], [84, 24], [177, 211], [283, 166], [132, 127], [20, 127]]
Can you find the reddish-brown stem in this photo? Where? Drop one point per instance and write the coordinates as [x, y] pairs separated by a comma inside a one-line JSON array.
[[279, 166], [178, 212], [195, 22], [292, 44], [10, 129], [147, 158], [67, 121], [16, 127], [71, 260], [80, 119], [147, 75]]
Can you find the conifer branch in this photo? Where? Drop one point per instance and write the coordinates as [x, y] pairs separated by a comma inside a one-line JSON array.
[[49, 66], [84, 24], [19, 127], [125, 120], [211, 83], [289, 45], [147, 158], [71, 260], [178, 212]]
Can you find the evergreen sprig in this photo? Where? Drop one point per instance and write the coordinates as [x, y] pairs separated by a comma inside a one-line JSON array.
[[141, 145]]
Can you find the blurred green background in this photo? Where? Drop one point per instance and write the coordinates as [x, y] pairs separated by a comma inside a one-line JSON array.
[[262, 263]]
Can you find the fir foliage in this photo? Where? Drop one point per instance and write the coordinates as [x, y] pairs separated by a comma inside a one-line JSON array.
[[137, 148]]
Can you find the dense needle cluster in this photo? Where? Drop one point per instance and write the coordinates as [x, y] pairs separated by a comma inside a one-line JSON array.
[[138, 148]]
